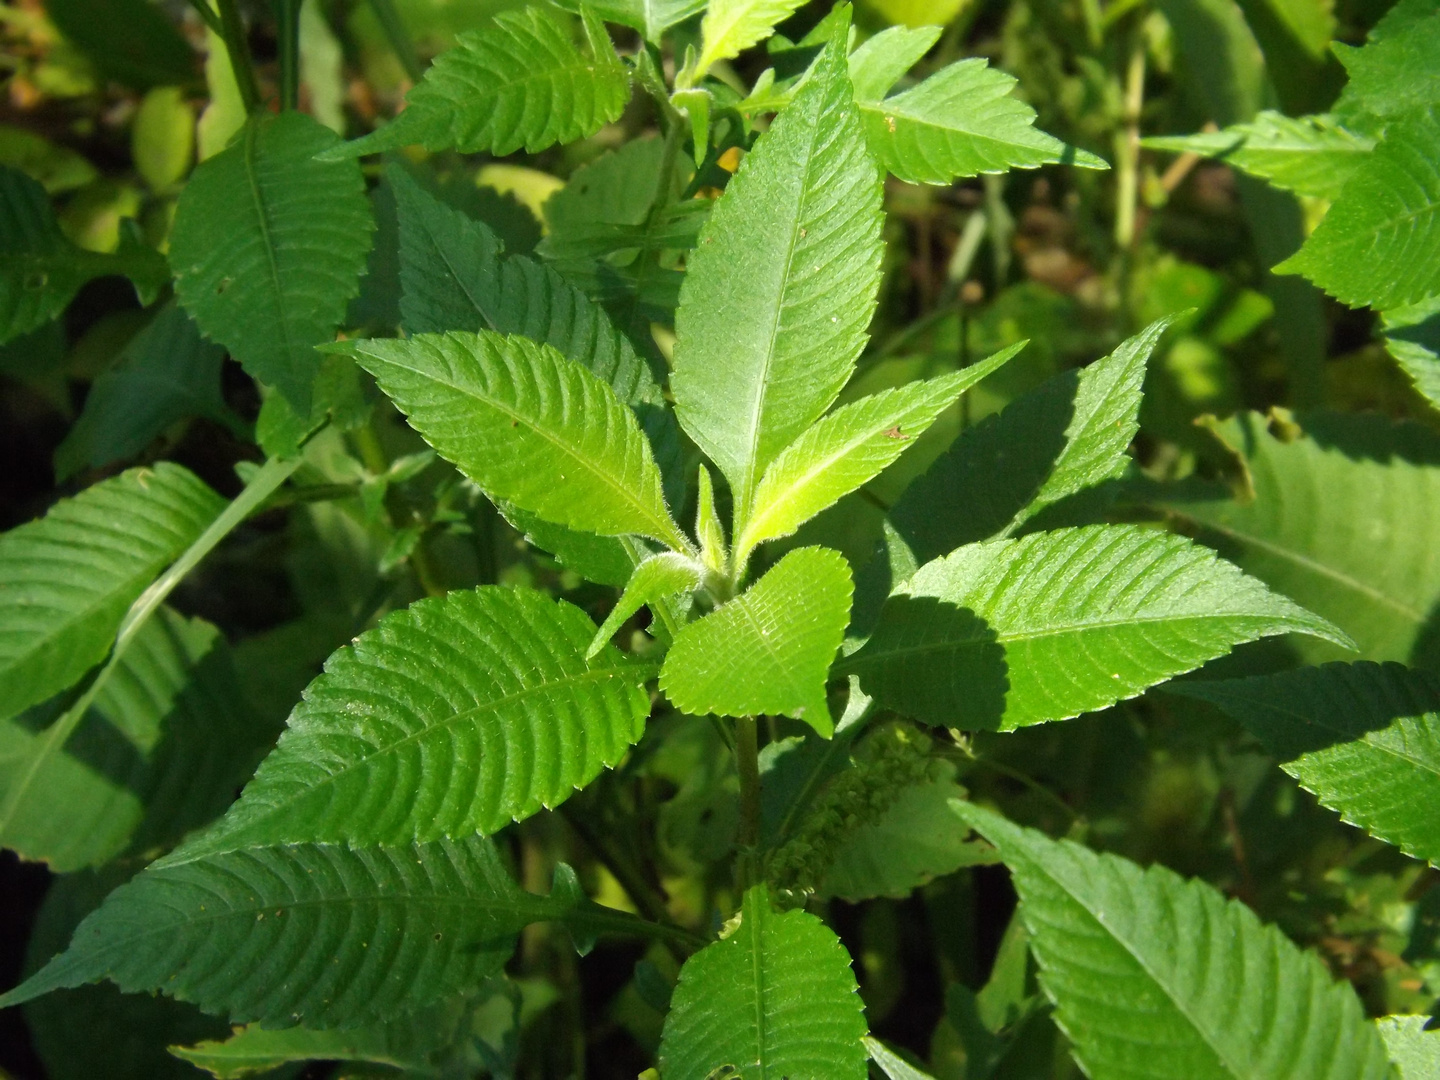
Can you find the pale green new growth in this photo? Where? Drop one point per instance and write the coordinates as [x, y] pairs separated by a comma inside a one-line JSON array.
[[708, 529], [732, 26], [1415, 1051], [41, 270], [68, 578], [1380, 243], [518, 83], [769, 650], [878, 64], [268, 247], [1365, 738], [658, 577], [494, 683], [651, 17], [793, 244], [962, 121], [1154, 977], [1016, 632], [528, 425], [317, 934], [776, 998], [847, 448], [1309, 155]]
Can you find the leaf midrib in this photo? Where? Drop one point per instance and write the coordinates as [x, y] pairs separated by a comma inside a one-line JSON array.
[[661, 528], [854, 660], [745, 494], [266, 241], [454, 719], [1114, 934]]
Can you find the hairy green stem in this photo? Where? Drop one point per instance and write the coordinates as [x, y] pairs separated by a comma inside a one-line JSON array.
[[232, 32], [261, 486], [400, 42], [287, 18]]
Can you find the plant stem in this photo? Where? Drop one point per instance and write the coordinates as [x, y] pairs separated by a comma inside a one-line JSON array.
[[208, 16], [1127, 148], [747, 764], [232, 29], [261, 486], [287, 17], [394, 29], [645, 896]]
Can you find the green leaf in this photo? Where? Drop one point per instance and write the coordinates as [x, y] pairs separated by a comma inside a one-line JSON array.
[[605, 560], [651, 17], [528, 425], [131, 41], [68, 579], [1015, 632], [1415, 1051], [847, 448], [519, 82], [41, 271], [775, 998], [398, 741], [1396, 74], [268, 247], [1380, 243], [1309, 155], [410, 1043], [708, 529], [58, 168], [880, 62], [125, 1035], [454, 278], [1071, 433], [657, 578], [167, 373], [961, 121], [161, 752], [316, 934], [780, 291], [1339, 517], [1365, 738], [1156, 977], [916, 841], [732, 26], [891, 1063], [1412, 334], [769, 650]]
